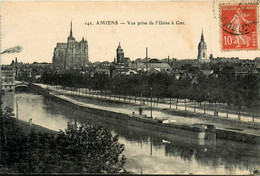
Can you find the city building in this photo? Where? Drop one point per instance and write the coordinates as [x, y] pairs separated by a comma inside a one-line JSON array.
[[101, 71], [224, 60], [118, 70], [202, 50], [71, 54], [29, 72], [131, 72], [8, 77], [257, 62], [147, 66], [120, 57]]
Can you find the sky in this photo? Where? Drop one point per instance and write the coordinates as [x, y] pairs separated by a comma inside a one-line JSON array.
[[38, 26]]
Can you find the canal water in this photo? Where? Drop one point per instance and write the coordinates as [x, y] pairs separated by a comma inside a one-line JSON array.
[[146, 151]]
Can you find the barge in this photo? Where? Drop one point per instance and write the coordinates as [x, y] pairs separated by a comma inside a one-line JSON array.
[[197, 131]]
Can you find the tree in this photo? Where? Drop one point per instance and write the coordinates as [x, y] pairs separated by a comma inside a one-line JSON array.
[[227, 83], [202, 88], [238, 96], [175, 90], [94, 149], [250, 91], [85, 149], [185, 84]]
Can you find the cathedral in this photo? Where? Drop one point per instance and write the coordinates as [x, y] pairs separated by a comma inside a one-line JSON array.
[[72, 53], [202, 50]]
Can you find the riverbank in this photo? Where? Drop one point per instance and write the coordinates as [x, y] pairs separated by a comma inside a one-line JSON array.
[[220, 156], [216, 109], [130, 107], [33, 127], [185, 117], [229, 132]]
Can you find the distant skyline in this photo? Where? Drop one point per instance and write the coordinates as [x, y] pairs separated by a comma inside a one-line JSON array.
[[39, 26]]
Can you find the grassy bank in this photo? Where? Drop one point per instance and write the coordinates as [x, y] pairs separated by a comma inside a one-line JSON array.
[[28, 128]]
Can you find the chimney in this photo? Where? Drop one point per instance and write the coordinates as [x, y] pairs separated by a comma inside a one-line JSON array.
[[146, 53], [146, 58]]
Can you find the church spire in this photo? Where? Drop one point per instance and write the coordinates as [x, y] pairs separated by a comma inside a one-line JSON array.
[[202, 49], [202, 36], [71, 28]]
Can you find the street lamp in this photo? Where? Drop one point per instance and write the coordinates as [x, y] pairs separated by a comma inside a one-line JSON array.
[[17, 99], [151, 103]]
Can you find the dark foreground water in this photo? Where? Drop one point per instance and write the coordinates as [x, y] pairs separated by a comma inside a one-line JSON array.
[[146, 151]]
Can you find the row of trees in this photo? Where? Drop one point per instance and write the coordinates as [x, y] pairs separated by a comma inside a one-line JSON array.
[[223, 86], [84, 149]]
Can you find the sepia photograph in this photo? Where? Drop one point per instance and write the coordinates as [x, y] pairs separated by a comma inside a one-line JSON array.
[[130, 87]]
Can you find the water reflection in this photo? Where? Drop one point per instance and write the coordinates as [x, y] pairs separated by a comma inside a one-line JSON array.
[[147, 151], [8, 100], [33, 106]]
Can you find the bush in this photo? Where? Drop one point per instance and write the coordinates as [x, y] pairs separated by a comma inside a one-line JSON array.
[[84, 149]]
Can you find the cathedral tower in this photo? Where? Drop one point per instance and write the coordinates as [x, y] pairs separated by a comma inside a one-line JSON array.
[[71, 54], [71, 39], [70, 49], [202, 49]]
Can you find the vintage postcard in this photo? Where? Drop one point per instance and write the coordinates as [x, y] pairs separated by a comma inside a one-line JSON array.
[[130, 87]]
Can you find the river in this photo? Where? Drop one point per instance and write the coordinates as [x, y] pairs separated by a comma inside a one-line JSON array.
[[146, 151]]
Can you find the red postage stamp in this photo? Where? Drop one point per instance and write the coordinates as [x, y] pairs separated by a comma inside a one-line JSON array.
[[239, 26]]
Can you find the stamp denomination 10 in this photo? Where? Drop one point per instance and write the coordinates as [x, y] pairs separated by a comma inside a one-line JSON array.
[[239, 27]]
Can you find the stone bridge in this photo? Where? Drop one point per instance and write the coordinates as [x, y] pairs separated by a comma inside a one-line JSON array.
[[21, 86]]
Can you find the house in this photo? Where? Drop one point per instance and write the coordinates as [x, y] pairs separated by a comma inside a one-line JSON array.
[[8, 78], [245, 70], [131, 72], [102, 70], [151, 71], [257, 62], [207, 72], [119, 69], [147, 66]]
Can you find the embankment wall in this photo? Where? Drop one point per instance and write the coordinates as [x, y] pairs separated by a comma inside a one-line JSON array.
[[126, 119]]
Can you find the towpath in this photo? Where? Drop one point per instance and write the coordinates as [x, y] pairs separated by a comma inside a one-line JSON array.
[[179, 116]]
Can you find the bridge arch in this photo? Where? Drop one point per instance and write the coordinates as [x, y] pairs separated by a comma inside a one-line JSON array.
[[21, 88]]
